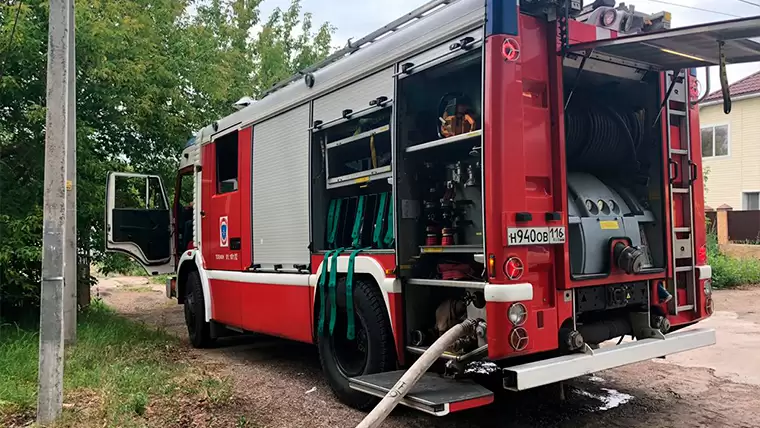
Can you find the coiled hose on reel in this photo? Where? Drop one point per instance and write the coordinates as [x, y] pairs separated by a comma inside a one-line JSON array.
[[602, 139]]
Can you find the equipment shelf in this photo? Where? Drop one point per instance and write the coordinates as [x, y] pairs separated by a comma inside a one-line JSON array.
[[462, 249], [444, 141], [361, 177], [358, 137]]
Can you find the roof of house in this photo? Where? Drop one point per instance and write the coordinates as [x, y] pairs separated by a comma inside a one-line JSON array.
[[746, 86]]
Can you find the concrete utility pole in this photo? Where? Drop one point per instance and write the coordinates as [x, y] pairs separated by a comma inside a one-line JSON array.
[[50, 394], [70, 253]]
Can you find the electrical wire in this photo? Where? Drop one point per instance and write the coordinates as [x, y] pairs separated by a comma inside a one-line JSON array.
[[695, 8], [749, 2], [10, 40]]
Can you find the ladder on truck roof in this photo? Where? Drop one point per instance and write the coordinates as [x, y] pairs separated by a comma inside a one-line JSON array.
[[682, 173], [351, 47]]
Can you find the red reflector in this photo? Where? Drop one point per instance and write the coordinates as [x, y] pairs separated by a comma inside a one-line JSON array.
[[514, 268], [608, 18], [695, 88], [702, 255], [511, 50]]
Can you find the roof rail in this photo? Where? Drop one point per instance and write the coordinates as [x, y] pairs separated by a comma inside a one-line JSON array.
[[352, 47]]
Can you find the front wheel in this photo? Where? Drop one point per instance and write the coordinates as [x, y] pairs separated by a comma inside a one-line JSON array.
[[198, 330], [372, 349]]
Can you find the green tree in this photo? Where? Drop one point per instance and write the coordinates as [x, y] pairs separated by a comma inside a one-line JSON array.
[[149, 74]]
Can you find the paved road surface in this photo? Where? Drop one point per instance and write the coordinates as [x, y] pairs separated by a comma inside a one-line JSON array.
[[274, 380]]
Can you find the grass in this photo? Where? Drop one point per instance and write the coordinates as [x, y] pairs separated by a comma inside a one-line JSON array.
[[728, 271], [119, 373], [160, 279]]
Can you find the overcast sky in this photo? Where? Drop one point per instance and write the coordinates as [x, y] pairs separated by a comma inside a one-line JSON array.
[[356, 18]]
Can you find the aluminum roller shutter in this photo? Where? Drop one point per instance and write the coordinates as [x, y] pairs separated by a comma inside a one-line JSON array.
[[281, 190], [355, 96]]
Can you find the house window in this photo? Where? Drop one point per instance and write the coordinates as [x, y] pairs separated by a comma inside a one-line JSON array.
[[751, 200], [227, 163], [715, 141]]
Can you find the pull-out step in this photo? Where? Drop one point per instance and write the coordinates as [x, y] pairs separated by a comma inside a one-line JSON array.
[[433, 394]]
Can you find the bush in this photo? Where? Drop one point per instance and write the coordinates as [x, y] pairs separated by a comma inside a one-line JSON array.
[[728, 271], [20, 261]]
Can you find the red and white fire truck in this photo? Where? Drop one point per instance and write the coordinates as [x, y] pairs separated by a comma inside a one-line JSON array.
[[533, 166]]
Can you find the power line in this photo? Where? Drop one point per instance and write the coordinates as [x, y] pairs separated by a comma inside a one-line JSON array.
[[10, 40], [749, 2], [696, 8]]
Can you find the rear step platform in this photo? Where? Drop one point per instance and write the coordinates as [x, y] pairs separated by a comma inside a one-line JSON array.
[[433, 393]]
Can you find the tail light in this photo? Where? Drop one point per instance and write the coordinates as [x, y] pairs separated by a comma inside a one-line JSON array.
[[517, 314], [694, 88], [492, 266], [518, 339], [608, 18], [708, 287]]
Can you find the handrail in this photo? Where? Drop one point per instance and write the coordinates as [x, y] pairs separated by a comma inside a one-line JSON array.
[[707, 87], [355, 46]]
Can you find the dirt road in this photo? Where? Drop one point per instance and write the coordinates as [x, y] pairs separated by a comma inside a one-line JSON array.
[[279, 384]]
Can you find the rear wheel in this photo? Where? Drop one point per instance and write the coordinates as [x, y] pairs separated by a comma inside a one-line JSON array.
[[198, 329], [372, 349]]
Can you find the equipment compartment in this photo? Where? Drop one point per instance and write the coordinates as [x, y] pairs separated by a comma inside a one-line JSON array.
[[615, 182], [439, 178], [351, 190]]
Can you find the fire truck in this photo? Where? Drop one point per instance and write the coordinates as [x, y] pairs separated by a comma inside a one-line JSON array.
[[532, 166]]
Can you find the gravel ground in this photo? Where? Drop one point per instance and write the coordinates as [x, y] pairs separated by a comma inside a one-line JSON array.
[[279, 383]]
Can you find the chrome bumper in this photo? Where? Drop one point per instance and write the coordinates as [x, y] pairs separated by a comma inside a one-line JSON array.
[[531, 375]]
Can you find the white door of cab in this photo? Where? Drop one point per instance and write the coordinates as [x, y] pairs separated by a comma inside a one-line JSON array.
[[138, 221]]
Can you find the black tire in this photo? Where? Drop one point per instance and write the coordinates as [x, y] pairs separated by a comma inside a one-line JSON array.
[[198, 330], [373, 333]]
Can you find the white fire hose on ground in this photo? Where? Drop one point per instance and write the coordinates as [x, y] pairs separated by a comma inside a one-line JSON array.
[[413, 375]]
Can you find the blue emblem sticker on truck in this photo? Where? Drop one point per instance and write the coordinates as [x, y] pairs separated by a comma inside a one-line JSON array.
[[223, 232]]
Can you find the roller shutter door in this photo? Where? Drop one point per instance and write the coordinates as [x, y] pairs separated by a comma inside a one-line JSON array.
[[281, 190]]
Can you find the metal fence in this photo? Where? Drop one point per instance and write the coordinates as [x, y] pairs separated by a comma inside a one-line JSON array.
[[84, 279], [744, 226]]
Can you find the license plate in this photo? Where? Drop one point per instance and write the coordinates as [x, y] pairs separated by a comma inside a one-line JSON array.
[[535, 235]]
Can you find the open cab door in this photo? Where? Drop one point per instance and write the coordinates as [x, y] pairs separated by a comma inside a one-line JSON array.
[[138, 221]]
